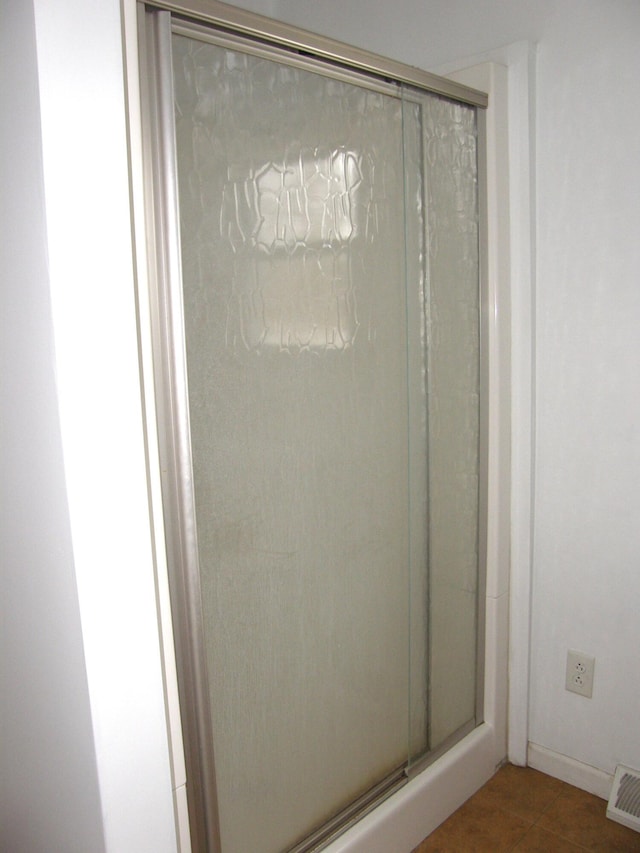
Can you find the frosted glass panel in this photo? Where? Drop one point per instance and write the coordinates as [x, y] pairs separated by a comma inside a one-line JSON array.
[[449, 132], [329, 245], [443, 357], [293, 247]]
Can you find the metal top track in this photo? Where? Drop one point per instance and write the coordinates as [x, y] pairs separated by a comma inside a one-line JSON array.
[[268, 30]]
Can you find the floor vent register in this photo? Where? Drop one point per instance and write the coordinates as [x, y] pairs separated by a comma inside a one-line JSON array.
[[624, 802]]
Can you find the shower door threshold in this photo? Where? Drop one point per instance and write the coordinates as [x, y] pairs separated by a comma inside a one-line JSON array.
[[337, 825]]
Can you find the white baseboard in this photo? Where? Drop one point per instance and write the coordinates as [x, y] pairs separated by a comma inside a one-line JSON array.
[[574, 772]]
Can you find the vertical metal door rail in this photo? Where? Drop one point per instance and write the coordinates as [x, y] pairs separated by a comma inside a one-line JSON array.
[[483, 444], [174, 428]]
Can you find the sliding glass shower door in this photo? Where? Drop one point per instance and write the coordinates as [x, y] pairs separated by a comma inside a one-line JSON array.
[[320, 343]]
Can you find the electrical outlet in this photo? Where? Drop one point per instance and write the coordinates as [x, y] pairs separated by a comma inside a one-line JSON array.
[[580, 673]]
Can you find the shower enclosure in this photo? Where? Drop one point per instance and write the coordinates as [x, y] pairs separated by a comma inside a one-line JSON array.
[[318, 363]]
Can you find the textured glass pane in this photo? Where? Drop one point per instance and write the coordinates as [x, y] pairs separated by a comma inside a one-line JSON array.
[[292, 217], [330, 271], [443, 363], [449, 132]]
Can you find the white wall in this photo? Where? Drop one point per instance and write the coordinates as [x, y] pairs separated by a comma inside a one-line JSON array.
[[425, 33], [94, 373], [587, 536], [49, 798]]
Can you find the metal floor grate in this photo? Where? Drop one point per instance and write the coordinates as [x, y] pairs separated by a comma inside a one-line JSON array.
[[624, 802]]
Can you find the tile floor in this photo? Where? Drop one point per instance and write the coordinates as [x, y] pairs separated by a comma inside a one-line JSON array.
[[523, 810]]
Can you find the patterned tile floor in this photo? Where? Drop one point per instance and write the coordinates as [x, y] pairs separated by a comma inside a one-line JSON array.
[[523, 810]]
